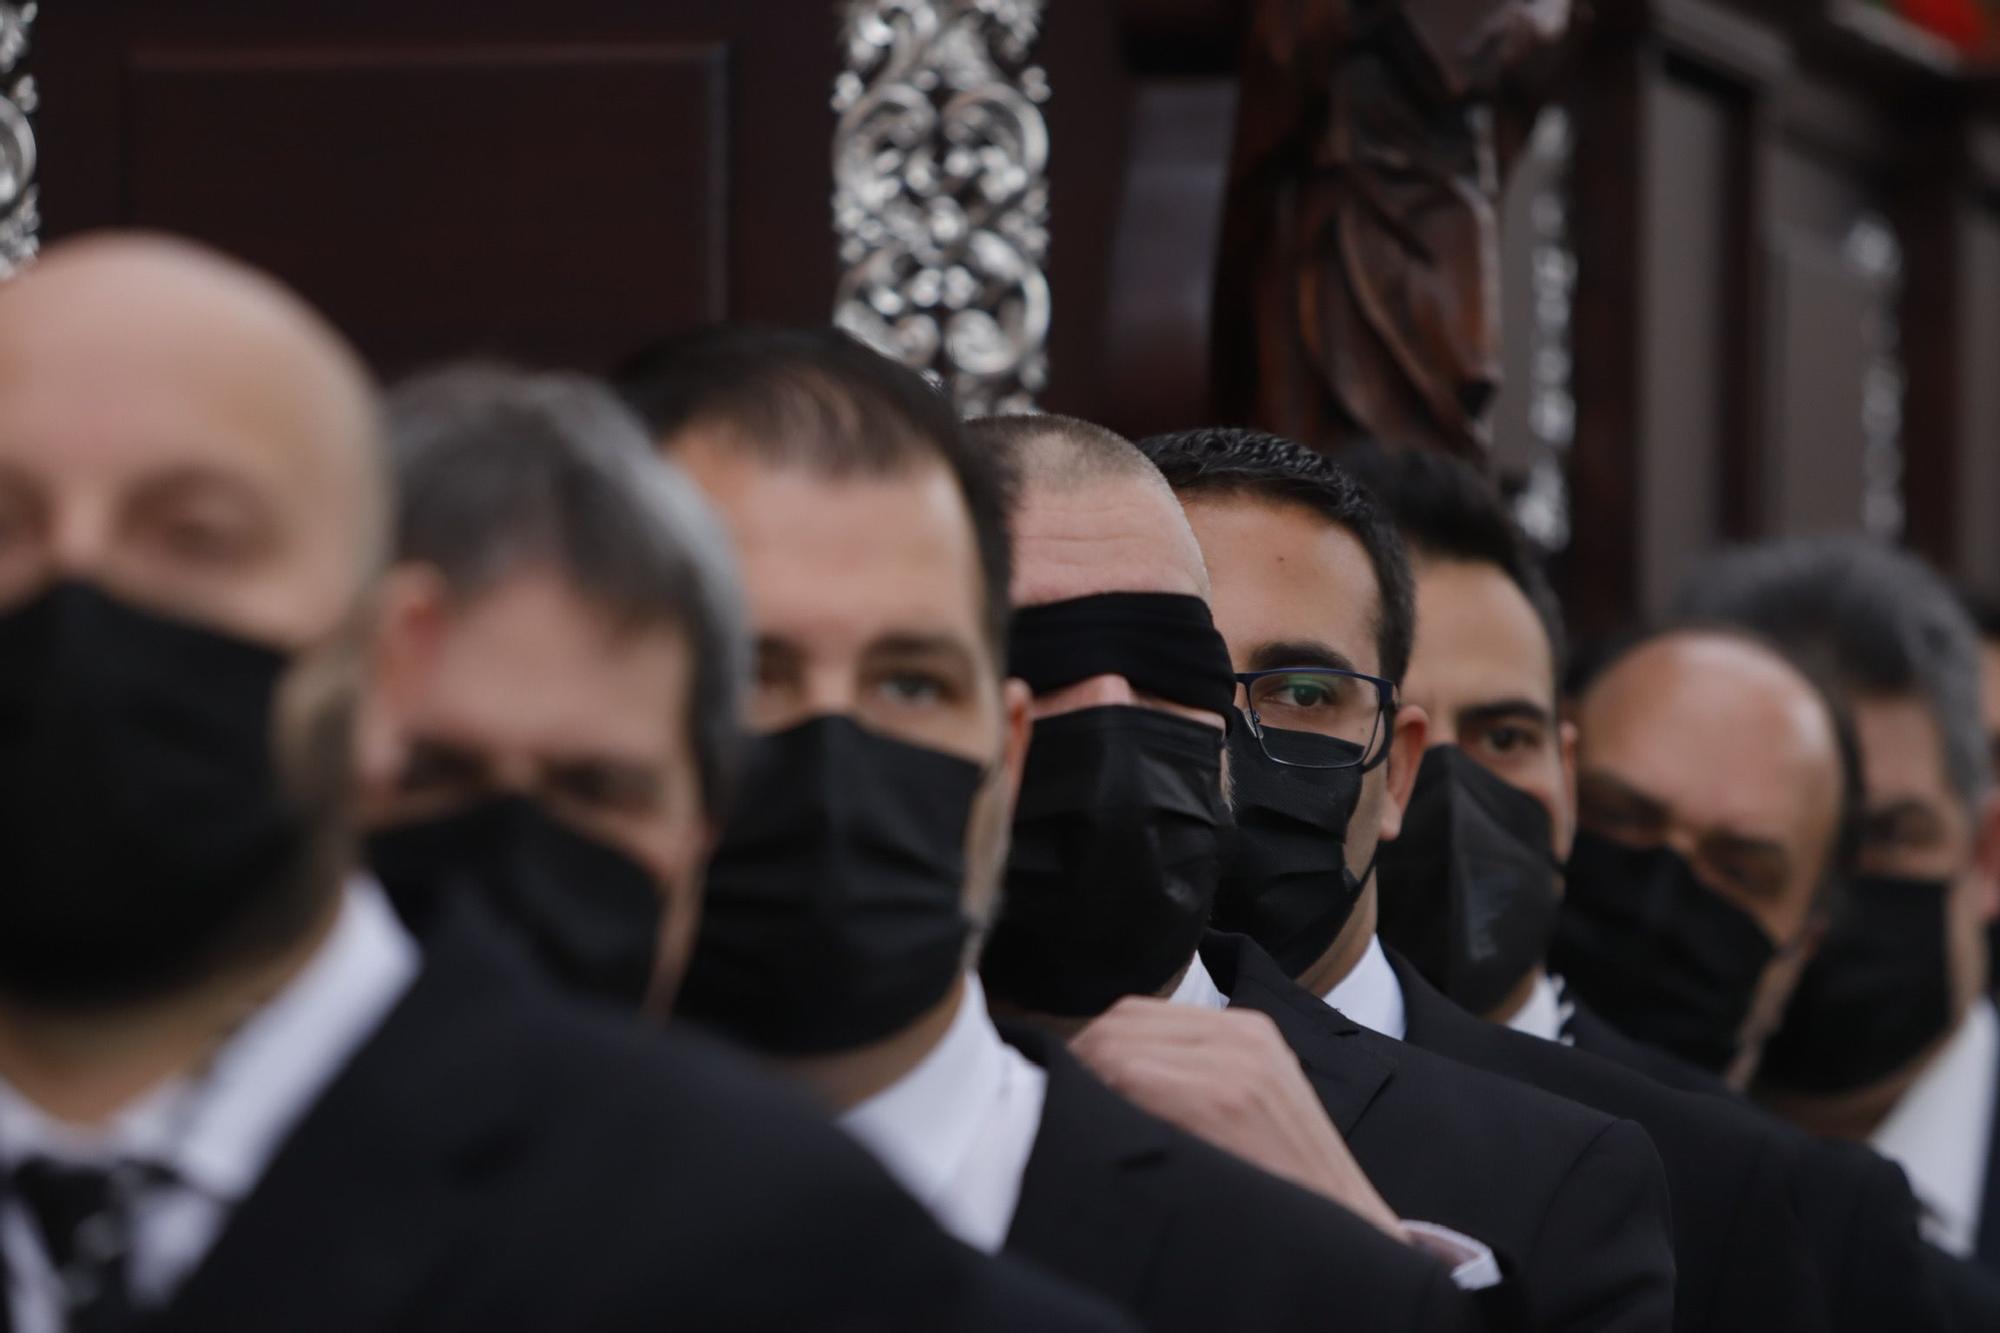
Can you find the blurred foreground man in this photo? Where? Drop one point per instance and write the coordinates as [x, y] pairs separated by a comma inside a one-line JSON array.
[[234, 1093], [1469, 896], [1118, 851], [1890, 1037], [851, 886]]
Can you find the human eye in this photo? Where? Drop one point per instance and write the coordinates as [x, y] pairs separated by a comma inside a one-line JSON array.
[[1301, 691], [914, 689]]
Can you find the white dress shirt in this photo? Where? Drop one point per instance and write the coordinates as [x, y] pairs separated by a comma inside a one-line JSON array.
[[1942, 1129], [1547, 1011], [1473, 1267], [956, 1131], [216, 1130], [1371, 995]]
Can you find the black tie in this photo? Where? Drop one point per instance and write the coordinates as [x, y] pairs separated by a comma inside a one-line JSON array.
[[87, 1229]]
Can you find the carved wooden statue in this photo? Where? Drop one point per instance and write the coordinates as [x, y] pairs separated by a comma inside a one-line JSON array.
[[1357, 288]]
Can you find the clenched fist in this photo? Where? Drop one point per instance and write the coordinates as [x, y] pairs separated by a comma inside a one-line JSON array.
[[1225, 1075]]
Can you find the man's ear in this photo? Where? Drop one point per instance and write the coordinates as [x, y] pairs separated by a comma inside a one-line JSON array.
[[1408, 734], [409, 625], [1986, 855], [1566, 757], [1017, 703]]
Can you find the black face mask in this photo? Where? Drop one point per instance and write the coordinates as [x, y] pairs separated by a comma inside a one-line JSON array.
[[834, 914], [1469, 889], [149, 837], [1285, 881], [1875, 995], [1113, 864], [1663, 957], [586, 912]]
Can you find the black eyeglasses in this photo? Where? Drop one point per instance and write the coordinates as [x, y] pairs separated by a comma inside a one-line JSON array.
[[1294, 711]]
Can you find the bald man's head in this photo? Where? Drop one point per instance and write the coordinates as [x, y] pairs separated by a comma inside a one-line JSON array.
[[1093, 515], [1718, 735], [187, 433]]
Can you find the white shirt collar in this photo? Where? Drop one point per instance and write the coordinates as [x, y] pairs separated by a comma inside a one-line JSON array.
[[956, 1131], [1547, 1011], [1371, 995], [1942, 1129], [218, 1129], [1198, 988]]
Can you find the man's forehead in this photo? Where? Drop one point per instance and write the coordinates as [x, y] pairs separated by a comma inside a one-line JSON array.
[[1720, 728], [151, 352], [1120, 534], [1476, 635]]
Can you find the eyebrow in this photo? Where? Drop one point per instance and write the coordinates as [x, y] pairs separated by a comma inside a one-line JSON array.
[[910, 644], [1300, 653], [1597, 778], [1500, 709]]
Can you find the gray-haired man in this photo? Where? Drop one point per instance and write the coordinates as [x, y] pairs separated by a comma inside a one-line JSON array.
[[568, 733], [1890, 1037]]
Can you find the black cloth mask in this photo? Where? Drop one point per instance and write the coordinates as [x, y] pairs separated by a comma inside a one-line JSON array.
[[1113, 864], [1468, 891], [1163, 644], [1664, 958], [1875, 995], [147, 829], [585, 911], [1285, 881], [834, 915]]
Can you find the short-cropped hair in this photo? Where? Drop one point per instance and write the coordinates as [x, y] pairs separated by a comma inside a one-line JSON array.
[[816, 398]]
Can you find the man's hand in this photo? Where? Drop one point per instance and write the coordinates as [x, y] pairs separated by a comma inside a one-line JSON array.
[[1227, 1076]]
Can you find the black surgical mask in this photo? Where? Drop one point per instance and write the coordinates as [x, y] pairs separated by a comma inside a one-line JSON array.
[[149, 836], [1876, 994], [585, 911], [834, 915], [1468, 891], [1113, 863], [1285, 881], [1664, 958]]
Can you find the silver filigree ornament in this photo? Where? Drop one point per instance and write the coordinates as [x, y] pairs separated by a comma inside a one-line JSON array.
[[20, 215], [940, 166]]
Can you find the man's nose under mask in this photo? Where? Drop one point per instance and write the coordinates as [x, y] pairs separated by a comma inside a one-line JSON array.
[[588, 914], [834, 913], [1113, 863], [1469, 889], [1285, 879], [1667, 960]]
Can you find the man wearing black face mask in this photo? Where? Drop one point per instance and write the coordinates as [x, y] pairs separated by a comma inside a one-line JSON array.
[[1484, 666], [565, 750], [234, 1091], [1134, 690], [850, 886], [1889, 1037]]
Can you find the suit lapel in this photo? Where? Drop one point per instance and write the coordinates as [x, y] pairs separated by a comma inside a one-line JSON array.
[[1086, 1212], [1346, 1073], [364, 1195]]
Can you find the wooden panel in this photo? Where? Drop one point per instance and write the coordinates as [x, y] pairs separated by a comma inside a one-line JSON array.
[[552, 183], [1819, 355], [1693, 140], [570, 238], [1976, 492]]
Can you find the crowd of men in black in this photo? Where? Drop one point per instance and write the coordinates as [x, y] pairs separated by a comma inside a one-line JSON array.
[[733, 846]]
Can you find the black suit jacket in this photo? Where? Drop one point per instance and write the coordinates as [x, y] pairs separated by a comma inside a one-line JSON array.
[[494, 1160], [1193, 1240], [1576, 1198], [1746, 1261], [1859, 1214]]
